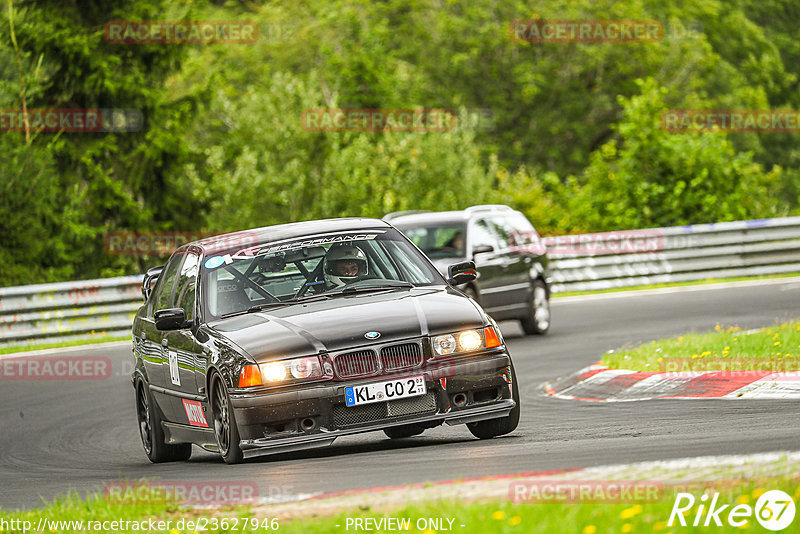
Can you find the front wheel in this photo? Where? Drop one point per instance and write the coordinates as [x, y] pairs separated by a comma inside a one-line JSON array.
[[149, 418], [537, 318], [491, 428], [225, 428]]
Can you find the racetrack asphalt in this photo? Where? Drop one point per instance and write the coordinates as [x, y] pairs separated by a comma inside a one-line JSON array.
[[58, 436]]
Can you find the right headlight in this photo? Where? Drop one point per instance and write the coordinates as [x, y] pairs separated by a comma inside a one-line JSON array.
[[466, 341], [273, 373], [295, 369]]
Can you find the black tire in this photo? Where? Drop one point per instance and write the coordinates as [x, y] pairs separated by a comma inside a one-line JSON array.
[[225, 429], [491, 428], [537, 318], [152, 434], [405, 431]]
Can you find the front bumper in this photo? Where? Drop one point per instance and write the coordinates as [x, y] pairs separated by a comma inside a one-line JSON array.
[[476, 388]]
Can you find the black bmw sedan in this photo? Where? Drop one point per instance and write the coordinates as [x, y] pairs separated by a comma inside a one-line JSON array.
[[287, 337]]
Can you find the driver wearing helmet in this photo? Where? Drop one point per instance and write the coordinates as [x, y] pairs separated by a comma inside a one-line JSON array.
[[344, 265]]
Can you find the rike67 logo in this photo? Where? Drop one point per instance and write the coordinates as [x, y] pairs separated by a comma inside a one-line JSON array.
[[774, 510]]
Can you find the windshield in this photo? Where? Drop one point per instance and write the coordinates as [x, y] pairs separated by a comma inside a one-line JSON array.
[[315, 266], [438, 241]]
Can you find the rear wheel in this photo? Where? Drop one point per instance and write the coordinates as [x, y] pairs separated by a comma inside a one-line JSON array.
[[491, 428], [405, 431], [537, 318], [225, 428], [152, 433]]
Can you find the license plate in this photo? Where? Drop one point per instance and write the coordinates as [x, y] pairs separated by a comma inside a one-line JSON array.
[[400, 388]]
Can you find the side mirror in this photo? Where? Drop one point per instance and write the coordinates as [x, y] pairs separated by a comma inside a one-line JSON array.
[[171, 319], [480, 249], [461, 273]]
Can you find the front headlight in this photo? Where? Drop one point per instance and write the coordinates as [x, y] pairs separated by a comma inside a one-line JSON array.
[[465, 341], [280, 371]]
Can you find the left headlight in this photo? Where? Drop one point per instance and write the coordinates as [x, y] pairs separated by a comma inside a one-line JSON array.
[[465, 341], [280, 371]]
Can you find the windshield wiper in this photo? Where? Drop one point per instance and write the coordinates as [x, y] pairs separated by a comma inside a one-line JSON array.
[[370, 288], [322, 296], [309, 298], [256, 308], [268, 305]]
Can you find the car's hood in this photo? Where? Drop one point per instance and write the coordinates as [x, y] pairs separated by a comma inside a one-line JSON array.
[[342, 322]]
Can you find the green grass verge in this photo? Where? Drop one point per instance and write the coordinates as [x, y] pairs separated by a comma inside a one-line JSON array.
[[675, 284], [495, 516], [60, 344], [775, 348]]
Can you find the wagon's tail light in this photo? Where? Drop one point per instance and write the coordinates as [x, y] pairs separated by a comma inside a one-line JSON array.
[[491, 337], [250, 376]]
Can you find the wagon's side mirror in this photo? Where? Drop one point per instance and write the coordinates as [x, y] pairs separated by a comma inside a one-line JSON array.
[[482, 249], [171, 319], [149, 280], [461, 273]]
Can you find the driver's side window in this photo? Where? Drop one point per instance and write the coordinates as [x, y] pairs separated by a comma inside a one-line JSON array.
[[163, 295], [482, 235], [186, 286]]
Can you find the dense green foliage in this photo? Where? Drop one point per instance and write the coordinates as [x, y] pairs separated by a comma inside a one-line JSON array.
[[572, 135]]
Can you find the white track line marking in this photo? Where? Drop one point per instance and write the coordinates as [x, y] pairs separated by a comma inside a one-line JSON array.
[[61, 350], [678, 289]]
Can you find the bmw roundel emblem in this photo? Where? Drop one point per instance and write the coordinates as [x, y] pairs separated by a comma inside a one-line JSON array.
[[372, 335]]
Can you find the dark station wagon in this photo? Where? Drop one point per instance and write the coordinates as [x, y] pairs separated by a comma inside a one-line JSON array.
[[513, 279]]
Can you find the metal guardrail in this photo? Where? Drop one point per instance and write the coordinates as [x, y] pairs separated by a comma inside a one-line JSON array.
[[48, 313], [685, 253], [101, 308]]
